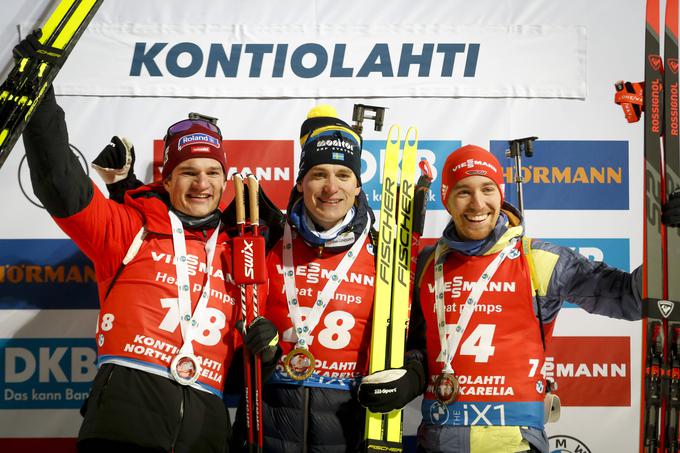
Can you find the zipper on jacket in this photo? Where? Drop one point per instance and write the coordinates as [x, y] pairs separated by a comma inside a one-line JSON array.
[[179, 422], [106, 384]]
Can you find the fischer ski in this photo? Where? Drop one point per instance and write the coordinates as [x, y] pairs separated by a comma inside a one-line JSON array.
[[391, 304], [29, 79]]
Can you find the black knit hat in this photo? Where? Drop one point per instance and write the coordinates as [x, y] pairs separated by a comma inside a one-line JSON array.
[[326, 139]]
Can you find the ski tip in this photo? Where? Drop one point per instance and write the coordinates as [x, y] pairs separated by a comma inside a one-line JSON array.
[[394, 135], [412, 136]]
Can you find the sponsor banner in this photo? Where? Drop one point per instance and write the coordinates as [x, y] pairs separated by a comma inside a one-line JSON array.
[[373, 157], [570, 174], [271, 161], [327, 60], [45, 273], [46, 373], [590, 371]]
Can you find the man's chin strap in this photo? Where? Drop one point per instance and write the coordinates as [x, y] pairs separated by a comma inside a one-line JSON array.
[[209, 221]]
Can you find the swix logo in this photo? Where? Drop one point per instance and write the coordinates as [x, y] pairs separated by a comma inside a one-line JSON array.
[[666, 308], [673, 65], [248, 258], [656, 62]]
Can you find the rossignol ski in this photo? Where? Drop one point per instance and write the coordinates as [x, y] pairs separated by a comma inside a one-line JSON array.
[[391, 304], [29, 79], [671, 181], [661, 249]]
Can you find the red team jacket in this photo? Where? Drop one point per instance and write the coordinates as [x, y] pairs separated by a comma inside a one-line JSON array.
[[138, 325], [500, 356], [342, 337]]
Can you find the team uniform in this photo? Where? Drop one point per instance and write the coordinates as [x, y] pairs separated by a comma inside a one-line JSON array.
[[320, 413], [135, 399], [500, 355]]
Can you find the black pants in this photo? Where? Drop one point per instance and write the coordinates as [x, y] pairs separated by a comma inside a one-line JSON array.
[[110, 446]]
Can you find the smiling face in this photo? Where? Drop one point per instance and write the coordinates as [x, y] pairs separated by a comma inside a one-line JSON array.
[[328, 191], [195, 186], [474, 204]]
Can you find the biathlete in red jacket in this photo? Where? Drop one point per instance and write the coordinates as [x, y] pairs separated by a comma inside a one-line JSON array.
[[166, 330], [321, 285], [484, 304]]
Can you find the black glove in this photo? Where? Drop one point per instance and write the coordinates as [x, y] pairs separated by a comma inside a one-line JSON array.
[[30, 47], [671, 210], [261, 337], [388, 390], [115, 165]]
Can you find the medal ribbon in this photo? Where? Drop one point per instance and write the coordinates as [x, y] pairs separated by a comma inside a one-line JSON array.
[[450, 346], [303, 329], [189, 323]]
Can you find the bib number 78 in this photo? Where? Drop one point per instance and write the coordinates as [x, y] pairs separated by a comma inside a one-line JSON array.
[[210, 324]]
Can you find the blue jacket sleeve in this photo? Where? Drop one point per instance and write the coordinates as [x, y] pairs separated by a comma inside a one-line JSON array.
[[565, 275]]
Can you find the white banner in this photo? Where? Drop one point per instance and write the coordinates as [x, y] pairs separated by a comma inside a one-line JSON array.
[[237, 61]]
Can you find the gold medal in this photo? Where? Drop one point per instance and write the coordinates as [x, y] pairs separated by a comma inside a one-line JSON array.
[[185, 368], [446, 388], [299, 364]]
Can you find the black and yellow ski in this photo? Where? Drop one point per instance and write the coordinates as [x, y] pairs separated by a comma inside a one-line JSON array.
[[29, 79], [393, 280]]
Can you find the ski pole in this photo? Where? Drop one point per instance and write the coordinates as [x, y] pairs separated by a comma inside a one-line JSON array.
[[253, 191], [362, 112], [241, 223], [516, 147]]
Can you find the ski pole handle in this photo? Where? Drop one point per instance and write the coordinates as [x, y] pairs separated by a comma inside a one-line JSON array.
[[253, 193], [240, 200]]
